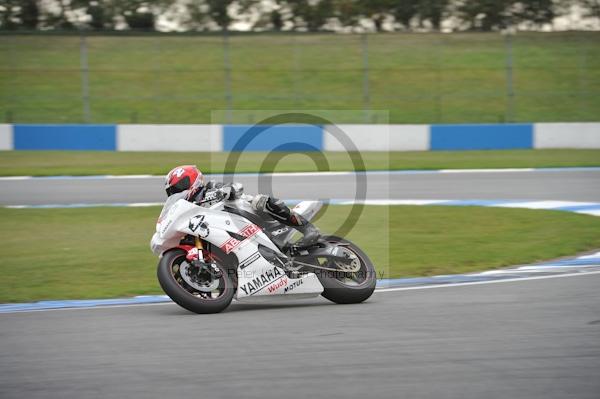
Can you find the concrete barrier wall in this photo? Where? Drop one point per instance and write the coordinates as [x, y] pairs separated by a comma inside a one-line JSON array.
[[64, 137], [481, 137], [169, 138], [567, 135], [379, 137], [6, 137], [272, 138], [298, 137]]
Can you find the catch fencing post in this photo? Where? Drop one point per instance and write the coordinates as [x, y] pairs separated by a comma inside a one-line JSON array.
[[366, 93], [583, 79], [295, 70], [510, 93], [85, 81], [438, 81], [227, 66]]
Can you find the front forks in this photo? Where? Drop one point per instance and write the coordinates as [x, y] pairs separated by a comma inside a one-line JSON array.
[[196, 258]]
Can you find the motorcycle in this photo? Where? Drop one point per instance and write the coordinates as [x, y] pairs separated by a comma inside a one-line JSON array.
[[221, 249]]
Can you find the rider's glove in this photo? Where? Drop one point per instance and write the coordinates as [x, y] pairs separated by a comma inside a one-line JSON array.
[[259, 201], [227, 192], [232, 191]]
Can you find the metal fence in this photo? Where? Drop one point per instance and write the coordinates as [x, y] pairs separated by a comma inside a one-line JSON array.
[[420, 78]]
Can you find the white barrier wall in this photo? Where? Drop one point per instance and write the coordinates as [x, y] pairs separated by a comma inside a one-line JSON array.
[[566, 135], [380, 137], [6, 137], [216, 138], [169, 138]]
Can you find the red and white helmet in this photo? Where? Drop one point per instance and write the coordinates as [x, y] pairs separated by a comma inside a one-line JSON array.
[[183, 178]]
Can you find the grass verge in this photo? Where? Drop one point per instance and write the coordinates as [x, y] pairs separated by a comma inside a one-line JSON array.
[[103, 252], [49, 163]]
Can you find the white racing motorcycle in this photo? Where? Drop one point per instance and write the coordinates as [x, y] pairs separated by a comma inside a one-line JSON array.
[[223, 249]]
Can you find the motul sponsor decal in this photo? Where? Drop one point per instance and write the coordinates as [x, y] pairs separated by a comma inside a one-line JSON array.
[[276, 285], [293, 285], [233, 243], [261, 281]]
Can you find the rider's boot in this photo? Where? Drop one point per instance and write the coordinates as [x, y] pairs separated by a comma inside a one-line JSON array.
[[278, 210], [309, 231]]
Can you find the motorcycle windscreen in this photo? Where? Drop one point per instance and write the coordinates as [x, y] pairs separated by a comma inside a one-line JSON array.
[[170, 201]]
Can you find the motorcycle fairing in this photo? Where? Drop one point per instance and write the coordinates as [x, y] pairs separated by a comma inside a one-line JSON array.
[[257, 277]]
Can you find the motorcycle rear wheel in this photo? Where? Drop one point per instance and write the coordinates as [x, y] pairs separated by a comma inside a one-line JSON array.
[[346, 288], [187, 296]]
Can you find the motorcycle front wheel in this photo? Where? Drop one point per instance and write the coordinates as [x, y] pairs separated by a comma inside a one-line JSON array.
[[191, 291], [344, 286]]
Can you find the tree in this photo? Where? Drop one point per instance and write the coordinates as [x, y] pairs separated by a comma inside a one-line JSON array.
[[310, 14], [61, 20], [485, 15], [404, 11], [9, 10], [138, 14], [490, 15], [204, 13], [102, 14], [432, 11], [592, 8], [276, 20], [29, 14], [347, 12], [535, 12], [377, 11]]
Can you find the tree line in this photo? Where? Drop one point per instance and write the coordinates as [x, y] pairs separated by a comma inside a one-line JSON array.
[[286, 15]]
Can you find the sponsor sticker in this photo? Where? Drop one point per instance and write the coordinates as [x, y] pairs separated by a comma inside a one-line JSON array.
[[277, 285], [233, 243], [261, 281], [249, 230], [230, 245], [195, 222], [249, 260], [293, 285], [179, 172], [203, 230], [280, 231]]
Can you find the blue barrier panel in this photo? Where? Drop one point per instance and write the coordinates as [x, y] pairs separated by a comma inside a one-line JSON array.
[[481, 137], [269, 138], [65, 137]]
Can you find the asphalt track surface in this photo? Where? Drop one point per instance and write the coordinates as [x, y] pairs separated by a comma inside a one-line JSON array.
[[519, 339], [576, 185], [523, 339]]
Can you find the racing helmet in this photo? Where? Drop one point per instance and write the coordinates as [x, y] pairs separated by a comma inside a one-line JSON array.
[[183, 178]]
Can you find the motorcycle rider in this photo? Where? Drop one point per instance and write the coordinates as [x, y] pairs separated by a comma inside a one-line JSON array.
[[189, 178]]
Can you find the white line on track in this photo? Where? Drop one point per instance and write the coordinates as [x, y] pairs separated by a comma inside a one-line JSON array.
[[508, 280], [316, 173], [489, 170], [130, 305]]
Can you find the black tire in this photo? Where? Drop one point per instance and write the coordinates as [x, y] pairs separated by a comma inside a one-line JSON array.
[[339, 292], [186, 299]]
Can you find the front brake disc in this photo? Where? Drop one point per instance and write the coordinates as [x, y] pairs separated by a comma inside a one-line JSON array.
[[185, 270]]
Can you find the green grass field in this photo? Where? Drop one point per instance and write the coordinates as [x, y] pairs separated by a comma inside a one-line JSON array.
[[419, 78], [48, 163], [104, 252]]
